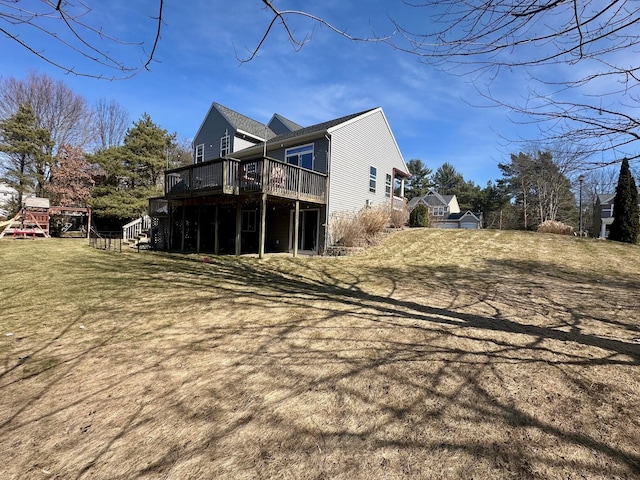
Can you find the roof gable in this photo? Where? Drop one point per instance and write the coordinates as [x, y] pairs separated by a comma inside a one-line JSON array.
[[244, 123], [281, 125], [434, 199]]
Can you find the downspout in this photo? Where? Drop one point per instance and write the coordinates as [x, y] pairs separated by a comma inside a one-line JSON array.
[[326, 206]]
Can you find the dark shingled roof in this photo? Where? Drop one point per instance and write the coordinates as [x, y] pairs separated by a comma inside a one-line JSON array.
[[318, 128], [291, 125], [458, 216], [242, 122]]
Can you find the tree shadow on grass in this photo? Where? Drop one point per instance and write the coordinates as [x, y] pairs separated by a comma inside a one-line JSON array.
[[311, 379]]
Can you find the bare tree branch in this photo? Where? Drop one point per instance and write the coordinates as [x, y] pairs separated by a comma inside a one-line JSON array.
[[282, 17], [79, 36]]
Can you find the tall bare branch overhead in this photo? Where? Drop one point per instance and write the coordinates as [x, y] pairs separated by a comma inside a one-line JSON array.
[[76, 27]]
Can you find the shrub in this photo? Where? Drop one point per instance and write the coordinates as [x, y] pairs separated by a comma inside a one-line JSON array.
[[346, 231], [419, 217], [358, 230], [373, 220], [398, 217], [551, 226]]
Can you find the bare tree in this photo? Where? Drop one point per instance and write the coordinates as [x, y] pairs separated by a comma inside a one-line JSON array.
[[588, 96], [56, 108], [110, 121], [79, 28]]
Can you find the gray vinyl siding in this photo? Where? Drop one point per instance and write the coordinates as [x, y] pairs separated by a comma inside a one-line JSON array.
[[320, 150], [355, 147], [210, 133], [278, 127]]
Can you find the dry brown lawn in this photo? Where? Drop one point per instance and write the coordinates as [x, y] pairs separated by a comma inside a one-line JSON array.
[[438, 354]]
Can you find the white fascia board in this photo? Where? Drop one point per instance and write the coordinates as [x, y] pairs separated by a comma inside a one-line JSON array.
[[242, 132]]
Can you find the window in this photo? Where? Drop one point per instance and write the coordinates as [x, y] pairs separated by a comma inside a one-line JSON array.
[[301, 156], [248, 220], [438, 211], [224, 144], [373, 175], [200, 153], [387, 185]]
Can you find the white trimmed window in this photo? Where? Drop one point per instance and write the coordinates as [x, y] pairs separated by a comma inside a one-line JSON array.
[[200, 153], [387, 185], [373, 176], [300, 156], [224, 144], [438, 211]]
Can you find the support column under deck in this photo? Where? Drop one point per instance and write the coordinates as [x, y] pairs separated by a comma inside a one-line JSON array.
[[216, 245], [198, 229], [263, 224], [238, 228], [184, 212], [296, 228]]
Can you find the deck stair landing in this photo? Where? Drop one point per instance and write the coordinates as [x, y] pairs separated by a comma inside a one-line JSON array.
[[136, 232]]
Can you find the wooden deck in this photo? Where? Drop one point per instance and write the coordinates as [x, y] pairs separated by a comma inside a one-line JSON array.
[[233, 177]]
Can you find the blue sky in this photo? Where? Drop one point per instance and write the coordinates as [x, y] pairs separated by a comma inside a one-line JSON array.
[[435, 117]]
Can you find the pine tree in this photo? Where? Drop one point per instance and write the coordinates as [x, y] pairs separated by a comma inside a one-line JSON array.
[[24, 145], [134, 171], [626, 222]]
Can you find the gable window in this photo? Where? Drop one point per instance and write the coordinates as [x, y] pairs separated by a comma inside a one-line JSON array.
[[248, 220], [373, 175], [200, 153], [387, 185], [224, 144], [300, 156]]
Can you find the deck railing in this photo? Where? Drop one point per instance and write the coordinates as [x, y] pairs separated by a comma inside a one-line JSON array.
[[265, 175], [134, 229]]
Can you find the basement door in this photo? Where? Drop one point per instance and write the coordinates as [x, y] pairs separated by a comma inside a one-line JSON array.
[[308, 229]]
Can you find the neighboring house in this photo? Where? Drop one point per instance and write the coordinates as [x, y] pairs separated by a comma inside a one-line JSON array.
[[444, 211], [276, 187], [7, 194], [604, 214]]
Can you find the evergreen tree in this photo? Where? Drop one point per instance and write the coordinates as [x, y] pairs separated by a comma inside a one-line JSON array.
[[447, 179], [419, 216], [134, 171], [420, 180], [23, 143], [542, 192], [626, 224]]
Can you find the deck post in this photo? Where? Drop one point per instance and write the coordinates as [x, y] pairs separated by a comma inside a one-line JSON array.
[[263, 225], [170, 232], [184, 213], [296, 228], [198, 229], [225, 176], [238, 228], [216, 234]]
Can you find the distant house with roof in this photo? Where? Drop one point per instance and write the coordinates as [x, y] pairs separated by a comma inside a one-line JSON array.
[[275, 187], [444, 211], [7, 195], [604, 214]]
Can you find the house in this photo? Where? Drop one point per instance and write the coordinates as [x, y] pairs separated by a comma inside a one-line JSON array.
[[276, 187], [444, 211], [604, 214], [7, 196]]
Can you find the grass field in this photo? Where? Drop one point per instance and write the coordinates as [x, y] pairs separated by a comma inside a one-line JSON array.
[[437, 354]]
